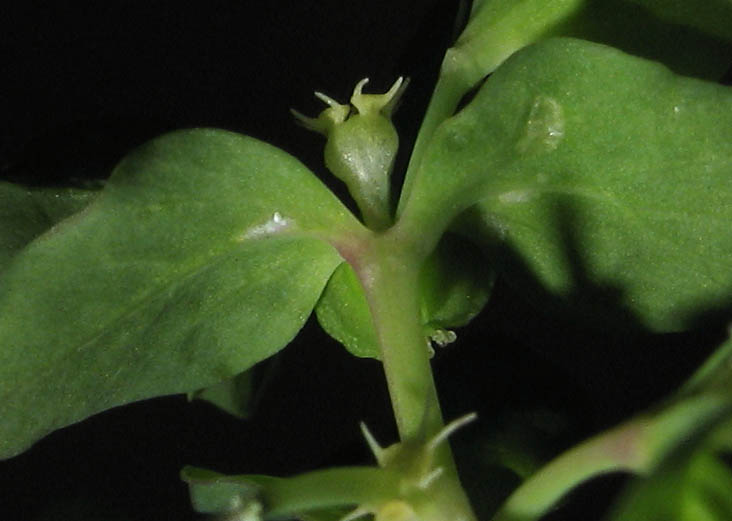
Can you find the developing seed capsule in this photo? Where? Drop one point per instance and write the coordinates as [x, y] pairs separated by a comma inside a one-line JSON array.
[[361, 146]]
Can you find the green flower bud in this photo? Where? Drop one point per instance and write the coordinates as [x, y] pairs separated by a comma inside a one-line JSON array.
[[361, 146]]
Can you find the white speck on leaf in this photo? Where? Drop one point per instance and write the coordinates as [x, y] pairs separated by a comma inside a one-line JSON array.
[[275, 224], [515, 196]]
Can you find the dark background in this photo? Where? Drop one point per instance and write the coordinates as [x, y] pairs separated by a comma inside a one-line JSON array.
[[85, 82]]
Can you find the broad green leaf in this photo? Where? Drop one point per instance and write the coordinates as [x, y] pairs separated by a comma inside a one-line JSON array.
[[454, 287], [712, 16], [25, 213], [203, 255], [499, 28], [598, 169], [632, 28]]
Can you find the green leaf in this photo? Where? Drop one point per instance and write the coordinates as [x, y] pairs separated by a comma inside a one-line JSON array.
[[598, 169], [714, 375], [314, 494], [25, 213], [712, 16], [453, 289], [203, 255], [659, 444], [240, 395], [691, 482], [630, 27], [344, 314], [214, 493], [234, 395], [499, 28], [688, 487], [454, 284]]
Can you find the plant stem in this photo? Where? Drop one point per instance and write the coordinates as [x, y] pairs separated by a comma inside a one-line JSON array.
[[389, 273], [635, 446], [449, 89]]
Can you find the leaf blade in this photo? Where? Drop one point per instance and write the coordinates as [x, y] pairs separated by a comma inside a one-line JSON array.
[[157, 286], [637, 177], [26, 213]]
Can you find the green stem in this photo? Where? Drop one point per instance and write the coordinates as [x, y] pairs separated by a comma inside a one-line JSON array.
[[288, 497], [449, 90], [635, 446], [389, 273]]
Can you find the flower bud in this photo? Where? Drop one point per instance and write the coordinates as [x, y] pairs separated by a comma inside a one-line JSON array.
[[361, 146]]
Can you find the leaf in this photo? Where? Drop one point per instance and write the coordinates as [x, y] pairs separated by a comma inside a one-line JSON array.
[[234, 395], [315, 494], [632, 28], [712, 16], [26, 213], [214, 493], [659, 444], [204, 254], [695, 487], [240, 396], [344, 314], [499, 28], [597, 169], [453, 288], [692, 482]]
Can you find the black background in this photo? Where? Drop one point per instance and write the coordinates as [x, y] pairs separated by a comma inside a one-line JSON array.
[[85, 82]]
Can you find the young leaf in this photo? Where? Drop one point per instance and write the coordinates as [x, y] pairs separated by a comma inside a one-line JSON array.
[[25, 213], [344, 314], [204, 254], [597, 168], [453, 290]]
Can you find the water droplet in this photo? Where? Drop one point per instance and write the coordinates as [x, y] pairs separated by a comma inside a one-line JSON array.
[[274, 224], [544, 127]]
